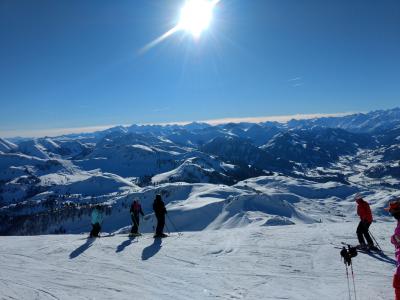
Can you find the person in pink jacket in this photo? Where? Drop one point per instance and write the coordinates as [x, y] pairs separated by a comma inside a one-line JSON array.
[[394, 210]]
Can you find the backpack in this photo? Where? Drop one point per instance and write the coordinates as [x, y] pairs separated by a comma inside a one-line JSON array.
[[135, 208]]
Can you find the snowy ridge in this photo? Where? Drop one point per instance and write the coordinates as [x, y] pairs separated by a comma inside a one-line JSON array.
[[198, 169], [6, 146], [312, 166], [378, 120]]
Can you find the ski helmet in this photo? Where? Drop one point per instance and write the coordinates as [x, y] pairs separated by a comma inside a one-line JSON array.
[[394, 207], [357, 197]]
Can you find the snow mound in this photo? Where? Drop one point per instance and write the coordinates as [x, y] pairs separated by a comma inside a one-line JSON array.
[[214, 207], [95, 185], [278, 221], [264, 206], [300, 187], [128, 160], [192, 170]]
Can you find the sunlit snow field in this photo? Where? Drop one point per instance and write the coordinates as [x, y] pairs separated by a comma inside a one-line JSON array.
[[254, 262]]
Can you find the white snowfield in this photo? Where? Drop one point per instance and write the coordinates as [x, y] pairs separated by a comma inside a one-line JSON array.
[[250, 262]]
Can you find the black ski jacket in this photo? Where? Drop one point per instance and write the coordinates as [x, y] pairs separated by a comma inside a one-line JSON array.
[[159, 207]]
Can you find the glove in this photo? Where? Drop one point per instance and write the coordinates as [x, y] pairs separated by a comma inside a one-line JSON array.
[[395, 239]]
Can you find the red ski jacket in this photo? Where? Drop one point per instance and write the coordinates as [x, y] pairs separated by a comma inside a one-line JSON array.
[[364, 211]]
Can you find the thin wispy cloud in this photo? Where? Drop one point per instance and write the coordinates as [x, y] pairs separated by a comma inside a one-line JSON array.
[[296, 81]]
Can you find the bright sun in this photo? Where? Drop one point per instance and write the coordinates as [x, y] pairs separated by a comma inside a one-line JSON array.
[[196, 16]]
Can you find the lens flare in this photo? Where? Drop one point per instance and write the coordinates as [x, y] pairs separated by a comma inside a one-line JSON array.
[[195, 17]]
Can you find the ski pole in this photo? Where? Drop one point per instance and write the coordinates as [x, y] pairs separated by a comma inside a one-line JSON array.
[[376, 242], [166, 226], [173, 225], [348, 281], [137, 225], [354, 283]]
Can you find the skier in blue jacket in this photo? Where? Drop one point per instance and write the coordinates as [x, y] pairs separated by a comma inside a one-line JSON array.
[[97, 220]]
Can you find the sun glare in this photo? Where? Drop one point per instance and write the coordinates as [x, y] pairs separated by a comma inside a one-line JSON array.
[[196, 16]]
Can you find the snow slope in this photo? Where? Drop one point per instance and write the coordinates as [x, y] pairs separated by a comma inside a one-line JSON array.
[[6, 146], [255, 262]]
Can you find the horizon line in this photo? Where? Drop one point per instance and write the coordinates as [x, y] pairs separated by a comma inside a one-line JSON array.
[[55, 132]]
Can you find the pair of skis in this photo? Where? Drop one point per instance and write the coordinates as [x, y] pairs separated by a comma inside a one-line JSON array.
[[366, 249], [156, 236], [134, 234]]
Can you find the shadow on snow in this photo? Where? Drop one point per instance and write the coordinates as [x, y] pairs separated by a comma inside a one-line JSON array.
[[382, 257], [151, 250], [125, 244], [78, 251]]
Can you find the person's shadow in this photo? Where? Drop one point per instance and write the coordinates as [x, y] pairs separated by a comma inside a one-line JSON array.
[[151, 250], [78, 251], [124, 244], [382, 257]]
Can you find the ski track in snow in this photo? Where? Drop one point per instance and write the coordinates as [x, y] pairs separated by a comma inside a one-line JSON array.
[[253, 262]]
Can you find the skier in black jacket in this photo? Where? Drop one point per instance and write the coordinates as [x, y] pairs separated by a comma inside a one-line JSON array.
[[160, 211]]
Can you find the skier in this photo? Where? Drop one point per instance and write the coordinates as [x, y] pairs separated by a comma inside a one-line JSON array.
[[160, 211], [97, 220], [135, 210], [364, 211], [394, 210]]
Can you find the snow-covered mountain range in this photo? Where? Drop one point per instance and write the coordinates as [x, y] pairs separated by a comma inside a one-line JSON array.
[[228, 175]]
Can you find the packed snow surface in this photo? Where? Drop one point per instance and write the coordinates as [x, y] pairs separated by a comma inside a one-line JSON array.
[[252, 262]]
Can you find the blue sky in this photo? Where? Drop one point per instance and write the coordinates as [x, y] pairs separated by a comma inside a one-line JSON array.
[[77, 63]]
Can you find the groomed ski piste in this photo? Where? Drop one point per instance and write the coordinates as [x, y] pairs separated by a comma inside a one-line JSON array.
[[270, 237], [252, 262]]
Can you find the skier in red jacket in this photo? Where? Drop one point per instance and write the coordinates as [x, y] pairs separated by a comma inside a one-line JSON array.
[[364, 211], [136, 209]]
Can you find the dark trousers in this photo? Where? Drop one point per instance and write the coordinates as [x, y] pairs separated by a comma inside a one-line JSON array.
[[160, 224], [362, 231], [135, 223], [95, 230]]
